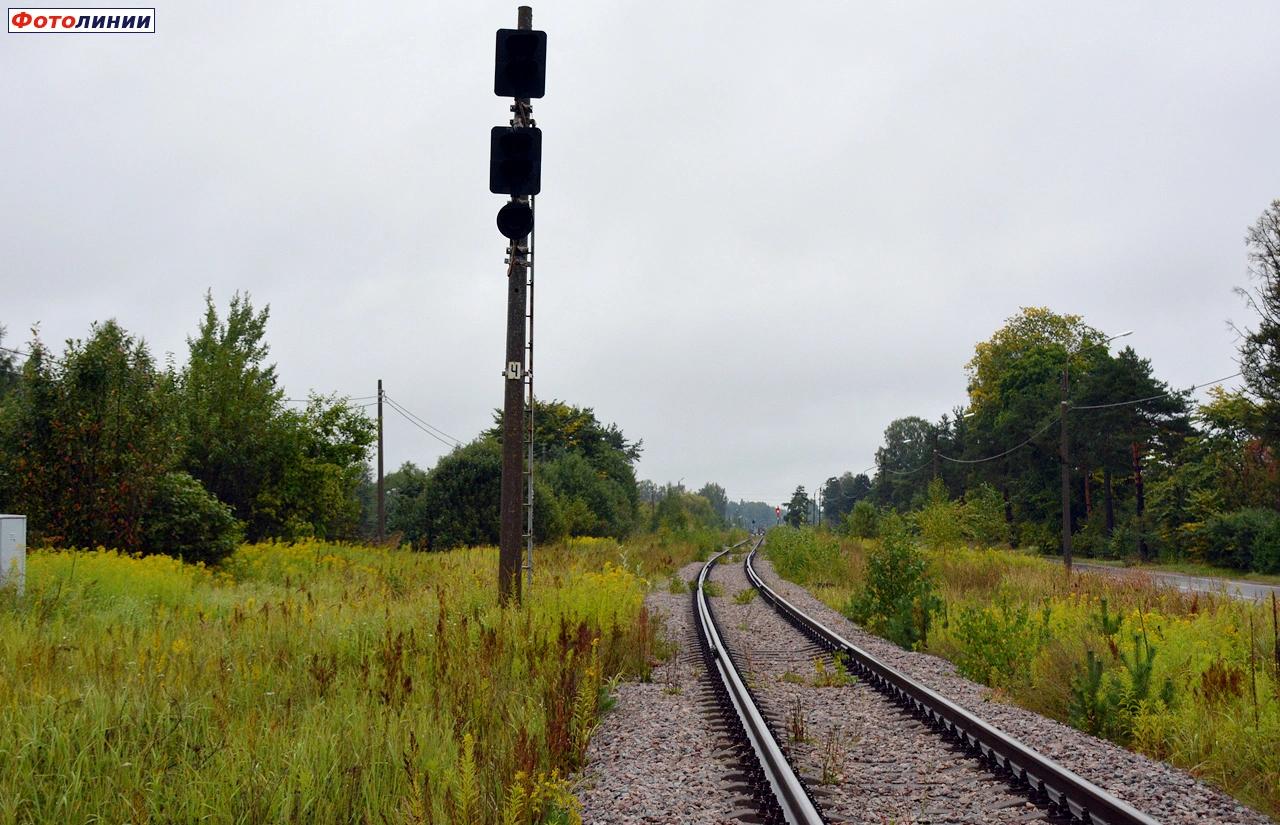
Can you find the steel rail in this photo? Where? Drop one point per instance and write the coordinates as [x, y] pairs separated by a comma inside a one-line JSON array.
[[1063, 791], [792, 798]]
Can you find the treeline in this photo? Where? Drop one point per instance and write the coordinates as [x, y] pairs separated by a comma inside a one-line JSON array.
[[671, 507], [1153, 474], [103, 446], [100, 445], [584, 485]]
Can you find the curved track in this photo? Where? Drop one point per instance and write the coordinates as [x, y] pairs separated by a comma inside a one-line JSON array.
[[772, 784]]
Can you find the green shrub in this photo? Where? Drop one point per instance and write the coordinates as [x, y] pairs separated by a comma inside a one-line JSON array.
[[188, 522], [941, 520], [863, 520], [984, 516], [1096, 702], [804, 555], [1000, 642], [1103, 703], [899, 598], [1092, 539], [1124, 541], [1246, 539], [1039, 537]]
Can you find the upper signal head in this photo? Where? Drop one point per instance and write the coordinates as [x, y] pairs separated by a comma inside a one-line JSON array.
[[520, 64]]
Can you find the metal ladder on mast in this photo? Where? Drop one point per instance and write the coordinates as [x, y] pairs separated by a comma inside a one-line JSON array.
[[528, 428]]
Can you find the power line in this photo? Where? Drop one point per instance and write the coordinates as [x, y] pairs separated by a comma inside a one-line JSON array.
[[1017, 446], [26, 353], [343, 397], [904, 472], [421, 420], [1049, 424], [420, 427], [1194, 387], [1028, 440]]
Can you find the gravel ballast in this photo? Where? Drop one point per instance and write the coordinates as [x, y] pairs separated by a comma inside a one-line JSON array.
[[655, 759]]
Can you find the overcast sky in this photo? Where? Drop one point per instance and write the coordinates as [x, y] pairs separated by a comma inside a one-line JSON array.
[[766, 230]]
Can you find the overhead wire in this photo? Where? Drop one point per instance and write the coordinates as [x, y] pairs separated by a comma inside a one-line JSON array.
[[343, 397], [905, 472], [1028, 440], [26, 353], [405, 416], [421, 420], [1193, 388], [1049, 424]]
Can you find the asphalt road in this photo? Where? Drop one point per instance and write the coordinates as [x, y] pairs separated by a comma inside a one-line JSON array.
[[1192, 584]]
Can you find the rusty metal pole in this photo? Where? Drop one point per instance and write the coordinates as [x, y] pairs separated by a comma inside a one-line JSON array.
[[512, 502], [1275, 631], [1065, 458], [382, 500]]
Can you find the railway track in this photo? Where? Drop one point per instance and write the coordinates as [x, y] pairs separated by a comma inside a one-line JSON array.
[[768, 779], [776, 787]]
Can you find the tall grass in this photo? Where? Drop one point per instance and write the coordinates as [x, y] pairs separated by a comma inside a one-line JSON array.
[[312, 683], [1188, 678]]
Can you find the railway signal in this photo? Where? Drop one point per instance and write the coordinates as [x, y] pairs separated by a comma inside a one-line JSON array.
[[515, 160], [520, 64], [515, 220], [515, 169]]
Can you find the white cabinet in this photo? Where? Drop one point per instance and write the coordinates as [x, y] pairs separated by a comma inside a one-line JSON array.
[[13, 550]]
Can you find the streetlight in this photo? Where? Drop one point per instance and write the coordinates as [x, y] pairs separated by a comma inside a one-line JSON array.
[[1064, 456]]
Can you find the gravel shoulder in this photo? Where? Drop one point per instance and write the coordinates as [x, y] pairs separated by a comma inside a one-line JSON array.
[[653, 758]]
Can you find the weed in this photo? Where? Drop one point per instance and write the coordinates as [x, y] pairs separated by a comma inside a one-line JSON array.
[[837, 676], [999, 642], [1220, 682], [833, 754], [795, 723], [1107, 624], [315, 682], [745, 596]]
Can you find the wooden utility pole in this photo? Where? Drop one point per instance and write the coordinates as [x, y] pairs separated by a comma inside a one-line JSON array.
[[1275, 631], [1088, 500], [382, 493], [510, 530], [1140, 501], [1065, 458]]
